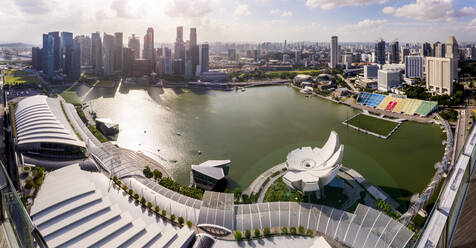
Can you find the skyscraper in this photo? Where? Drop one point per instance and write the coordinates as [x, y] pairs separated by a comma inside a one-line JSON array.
[[404, 52], [440, 50], [167, 61], [425, 49], [204, 58], [394, 53], [66, 46], [439, 75], [380, 52], [108, 54], [85, 46], [96, 53], [452, 52], [128, 61], [48, 55], [36, 58], [179, 51], [148, 52], [118, 51], [193, 37], [333, 52], [56, 50], [194, 50], [73, 61], [134, 44]]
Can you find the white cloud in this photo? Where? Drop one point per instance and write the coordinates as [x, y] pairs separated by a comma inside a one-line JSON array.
[[330, 4], [370, 23], [430, 10], [183, 8], [281, 13], [242, 10]]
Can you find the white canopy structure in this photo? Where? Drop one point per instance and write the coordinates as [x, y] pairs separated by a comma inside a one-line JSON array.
[[309, 169]]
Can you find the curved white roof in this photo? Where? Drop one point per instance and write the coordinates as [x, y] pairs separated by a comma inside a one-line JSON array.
[[76, 208], [41, 119], [311, 169]]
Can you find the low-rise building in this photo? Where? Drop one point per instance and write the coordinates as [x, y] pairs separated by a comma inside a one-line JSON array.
[[211, 175], [388, 79], [213, 76], [371, 71], [370, 84]]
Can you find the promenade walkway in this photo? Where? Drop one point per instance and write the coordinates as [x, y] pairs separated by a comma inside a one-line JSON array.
[[256, 184]]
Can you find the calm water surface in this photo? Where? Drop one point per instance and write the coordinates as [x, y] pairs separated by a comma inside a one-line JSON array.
[[256, 129]]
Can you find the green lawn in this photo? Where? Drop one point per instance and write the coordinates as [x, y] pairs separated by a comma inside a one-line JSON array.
[[16, 77], [105, 83], [372, 124]]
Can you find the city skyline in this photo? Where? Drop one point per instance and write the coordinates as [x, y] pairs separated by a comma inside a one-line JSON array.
[[246, 20]]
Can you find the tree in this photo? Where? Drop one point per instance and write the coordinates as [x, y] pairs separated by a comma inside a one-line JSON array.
[[309, 232], [157, 175], [147, 172], [237, 192], [130, 192], [124, 187], [238, 236], [172, 217], [266, 231], [292, 230], [284, 230], [157, 209], [301, 230], [257, 233], [149, 205], [136, 196], [180, 220], [189, 224], [164, 213], [248, 234]]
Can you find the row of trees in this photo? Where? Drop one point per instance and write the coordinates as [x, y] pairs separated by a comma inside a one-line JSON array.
[[171, 184], [180, 220], [267, 232]]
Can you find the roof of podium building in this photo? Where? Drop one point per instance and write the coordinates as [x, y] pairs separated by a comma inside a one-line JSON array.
[[76, 208], [40, 119]]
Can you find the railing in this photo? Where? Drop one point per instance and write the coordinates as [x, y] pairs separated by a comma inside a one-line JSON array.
[[19, 229]]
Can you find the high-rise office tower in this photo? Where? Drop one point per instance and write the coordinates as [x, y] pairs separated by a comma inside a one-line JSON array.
[[134, 44], [404, 52], [96, 53], [48, 55], [73, 61], [85, 46], [36, 58], [128, 61], [440, 50], [204, 57], [148, 52], [333, 52], [425, 49], [118, 51], [108, 54], [380, 52], [66, 46], [56, 50], [193, 37], [452, 52], [194, 49], [179, 51], [394, 53], [168, 61]]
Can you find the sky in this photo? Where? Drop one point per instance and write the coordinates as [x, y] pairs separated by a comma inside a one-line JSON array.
[[244, 20]]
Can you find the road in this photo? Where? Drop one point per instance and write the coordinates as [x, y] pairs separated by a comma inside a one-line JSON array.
[[461, 131], [351, 85]]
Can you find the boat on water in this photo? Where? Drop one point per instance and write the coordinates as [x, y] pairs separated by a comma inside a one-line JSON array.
[[199, 152]]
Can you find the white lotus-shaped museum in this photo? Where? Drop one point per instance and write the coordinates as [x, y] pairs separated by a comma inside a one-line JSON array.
[[310, 169]]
